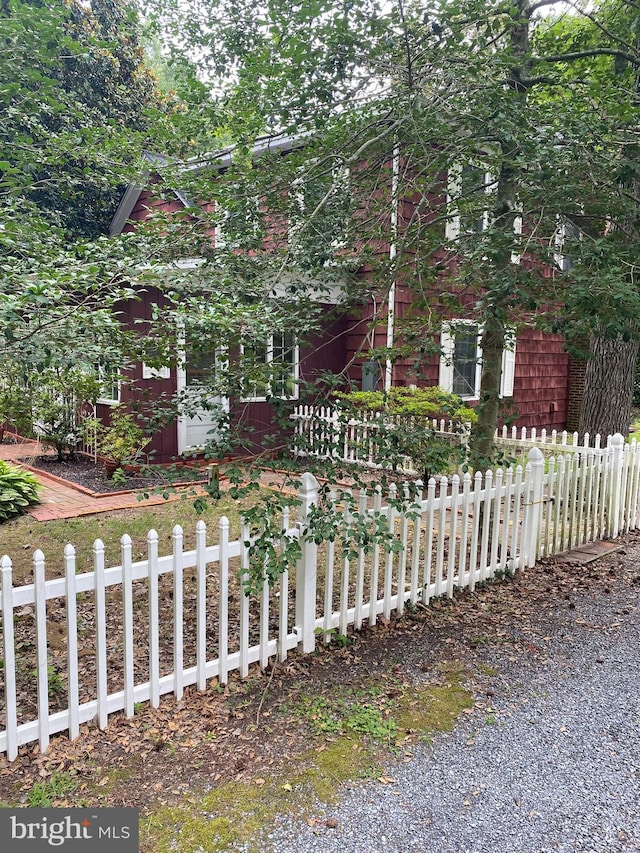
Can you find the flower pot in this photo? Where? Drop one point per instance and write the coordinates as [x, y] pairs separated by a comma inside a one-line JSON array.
[[110, 467]]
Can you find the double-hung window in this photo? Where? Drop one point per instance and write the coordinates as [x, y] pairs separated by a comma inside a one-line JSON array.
[[108, 376], [238, 219], [468, 199], [272, 367], [319, 210], [567, 234], [461, 360]]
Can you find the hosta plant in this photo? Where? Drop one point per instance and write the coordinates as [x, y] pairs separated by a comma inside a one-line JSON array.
[[18, 489]]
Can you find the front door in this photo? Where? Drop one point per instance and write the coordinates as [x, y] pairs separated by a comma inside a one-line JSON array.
[[200, 422]]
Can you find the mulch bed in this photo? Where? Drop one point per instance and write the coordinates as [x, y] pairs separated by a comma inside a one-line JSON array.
[[84, 472]]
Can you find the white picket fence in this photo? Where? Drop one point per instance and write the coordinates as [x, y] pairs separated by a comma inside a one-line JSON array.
[[138, 630], [328, 433]]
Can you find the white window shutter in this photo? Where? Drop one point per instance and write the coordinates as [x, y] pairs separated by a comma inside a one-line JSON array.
[[508, 364], [454, 188], [447, 343]]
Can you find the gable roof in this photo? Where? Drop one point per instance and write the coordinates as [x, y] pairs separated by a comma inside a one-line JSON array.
[[219, 160]]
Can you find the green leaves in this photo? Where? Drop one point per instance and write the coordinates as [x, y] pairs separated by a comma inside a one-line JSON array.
[[18, 489]]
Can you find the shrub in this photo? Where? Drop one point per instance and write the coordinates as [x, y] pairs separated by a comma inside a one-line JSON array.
[[58, 394], [414, 402], [18, 489], [15, 399], [408, 431]]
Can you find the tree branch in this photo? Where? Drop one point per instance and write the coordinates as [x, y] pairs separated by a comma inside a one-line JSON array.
[[634, 59]]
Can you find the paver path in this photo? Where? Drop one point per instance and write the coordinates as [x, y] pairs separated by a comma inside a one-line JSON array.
[[60, 499]]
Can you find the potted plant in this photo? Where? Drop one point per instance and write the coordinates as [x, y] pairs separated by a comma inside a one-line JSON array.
[[121, 442]]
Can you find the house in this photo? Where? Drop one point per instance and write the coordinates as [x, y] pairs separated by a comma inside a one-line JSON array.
[[539, 381]]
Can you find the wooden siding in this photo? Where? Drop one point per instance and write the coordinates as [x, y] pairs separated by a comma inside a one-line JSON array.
[[137, 393], [540, 383], [541, 365], [324, 352], [149, 203]]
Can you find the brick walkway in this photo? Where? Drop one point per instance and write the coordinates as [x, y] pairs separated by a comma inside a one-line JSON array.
[[61, 499]]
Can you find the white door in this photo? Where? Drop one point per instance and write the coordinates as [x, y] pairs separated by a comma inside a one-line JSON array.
[[201, 423]]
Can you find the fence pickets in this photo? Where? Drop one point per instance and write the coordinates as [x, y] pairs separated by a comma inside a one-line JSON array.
[[448, 534]]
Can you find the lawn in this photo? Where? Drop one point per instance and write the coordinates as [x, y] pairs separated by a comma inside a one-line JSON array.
[[20, 537]]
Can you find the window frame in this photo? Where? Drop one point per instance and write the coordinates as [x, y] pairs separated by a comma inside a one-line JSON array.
[[223, 215], [566, 229], [453, 228], [446, 371], [102, 374], [248, 397], [340, 183]]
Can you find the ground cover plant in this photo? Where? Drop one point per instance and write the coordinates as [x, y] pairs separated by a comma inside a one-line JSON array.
[[18, 489]]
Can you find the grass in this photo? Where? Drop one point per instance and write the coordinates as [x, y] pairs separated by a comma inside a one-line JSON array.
[[20, 537], [44, 794], [634, 427]]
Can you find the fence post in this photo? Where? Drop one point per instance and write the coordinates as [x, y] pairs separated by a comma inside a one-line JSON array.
[[307, 567], [533, 512], [615, 496]]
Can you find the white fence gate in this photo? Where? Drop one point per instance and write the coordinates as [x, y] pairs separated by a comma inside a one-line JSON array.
[[130, 633]]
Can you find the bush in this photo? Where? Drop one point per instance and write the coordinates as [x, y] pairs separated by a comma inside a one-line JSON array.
[[15, 399], [408, 431], [58, 394], [18, 489], [413, 402], [121, 441]]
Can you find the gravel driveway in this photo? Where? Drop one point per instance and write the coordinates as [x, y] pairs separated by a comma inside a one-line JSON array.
[[552, 764]]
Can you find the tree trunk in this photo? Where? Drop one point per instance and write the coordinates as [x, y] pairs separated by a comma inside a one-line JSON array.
[[608, 389], [492, 344], [501, 266]]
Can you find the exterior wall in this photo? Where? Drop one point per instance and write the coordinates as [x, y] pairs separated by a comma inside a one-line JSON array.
[[540, 383], [325, 352], [575, 393], [541, 364], [138, 393], [540, 393], [149, 203]]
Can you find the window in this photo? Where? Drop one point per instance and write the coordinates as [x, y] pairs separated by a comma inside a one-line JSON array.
[[319, 214], [566, 234], [271, 367], [238, 220], [461, 360], [465, 362], [468, 200], [109, 378], [148, 372]]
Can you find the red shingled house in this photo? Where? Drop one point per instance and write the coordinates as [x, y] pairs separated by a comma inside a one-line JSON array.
[[537, 371]]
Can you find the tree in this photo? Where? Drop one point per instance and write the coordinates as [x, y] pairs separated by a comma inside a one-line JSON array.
[[604, 300], [79, 105], [488, 84]]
